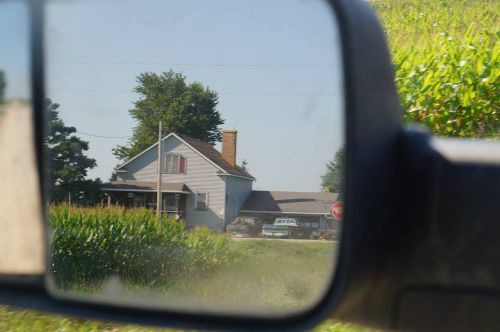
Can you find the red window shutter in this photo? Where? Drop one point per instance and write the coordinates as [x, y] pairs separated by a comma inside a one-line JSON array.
[[182, 165]]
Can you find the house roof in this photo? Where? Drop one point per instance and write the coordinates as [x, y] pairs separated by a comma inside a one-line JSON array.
[[206, 150], [289, 202], [215, 156], [145, 186]]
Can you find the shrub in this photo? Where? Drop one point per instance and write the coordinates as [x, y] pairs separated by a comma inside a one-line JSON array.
[[91, 244]]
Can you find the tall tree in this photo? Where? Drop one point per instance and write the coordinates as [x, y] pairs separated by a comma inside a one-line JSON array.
[[332, 180], [188, 109], [68, 163]]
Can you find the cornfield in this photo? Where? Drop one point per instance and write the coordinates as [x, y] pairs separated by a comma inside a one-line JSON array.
[[88, 245], [446, 55]]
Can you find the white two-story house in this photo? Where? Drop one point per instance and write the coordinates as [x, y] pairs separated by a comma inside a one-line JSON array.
[[199, 184]]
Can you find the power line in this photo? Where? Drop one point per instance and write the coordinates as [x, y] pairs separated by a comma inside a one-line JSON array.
[[220, 93], [278, 94], [92, 90], [215, 65], [100, 136]]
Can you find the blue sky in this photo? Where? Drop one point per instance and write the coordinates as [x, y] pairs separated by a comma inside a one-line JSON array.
[[275, 64], [14, 54]]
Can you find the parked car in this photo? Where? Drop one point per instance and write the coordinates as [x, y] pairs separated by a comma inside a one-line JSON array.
[[275, 231], [281, 228]]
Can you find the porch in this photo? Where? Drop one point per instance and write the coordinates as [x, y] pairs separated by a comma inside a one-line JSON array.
[[134, 194]]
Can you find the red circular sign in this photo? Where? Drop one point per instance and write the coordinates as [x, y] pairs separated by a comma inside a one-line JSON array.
[[337, 208]]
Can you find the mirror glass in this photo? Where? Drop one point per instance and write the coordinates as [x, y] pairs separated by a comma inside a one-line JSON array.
[[195, 153]]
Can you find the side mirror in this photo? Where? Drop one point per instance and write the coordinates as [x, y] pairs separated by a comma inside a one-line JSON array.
[[418, 239]]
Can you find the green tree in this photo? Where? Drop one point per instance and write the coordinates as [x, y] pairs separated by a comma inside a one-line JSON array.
[[67, 162], [188, 109], [332, 180]]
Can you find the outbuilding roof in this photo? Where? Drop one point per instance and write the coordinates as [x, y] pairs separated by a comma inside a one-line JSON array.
[[289, 202]]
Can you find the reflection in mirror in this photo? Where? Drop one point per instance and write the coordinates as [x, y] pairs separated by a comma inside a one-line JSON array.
[[21, 238], [196, 153]]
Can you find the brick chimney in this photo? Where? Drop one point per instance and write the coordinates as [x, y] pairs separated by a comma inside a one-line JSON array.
[[229, 146]]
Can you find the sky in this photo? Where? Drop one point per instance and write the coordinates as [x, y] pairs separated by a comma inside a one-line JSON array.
[[14, 59], [275, 65]]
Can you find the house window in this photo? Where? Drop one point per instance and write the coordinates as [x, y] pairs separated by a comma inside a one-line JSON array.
[[201, 201], [174, 164]]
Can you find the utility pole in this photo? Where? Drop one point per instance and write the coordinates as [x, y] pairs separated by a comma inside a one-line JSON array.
[[158, 162]]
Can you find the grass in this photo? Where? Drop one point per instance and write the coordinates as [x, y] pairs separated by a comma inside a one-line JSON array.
[[265, 275], [12, 319]]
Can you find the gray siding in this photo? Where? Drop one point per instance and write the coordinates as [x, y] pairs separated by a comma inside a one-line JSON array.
[[201, 176], [237, 190]]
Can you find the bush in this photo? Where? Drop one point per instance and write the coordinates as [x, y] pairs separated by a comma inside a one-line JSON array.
[[91, 244]]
